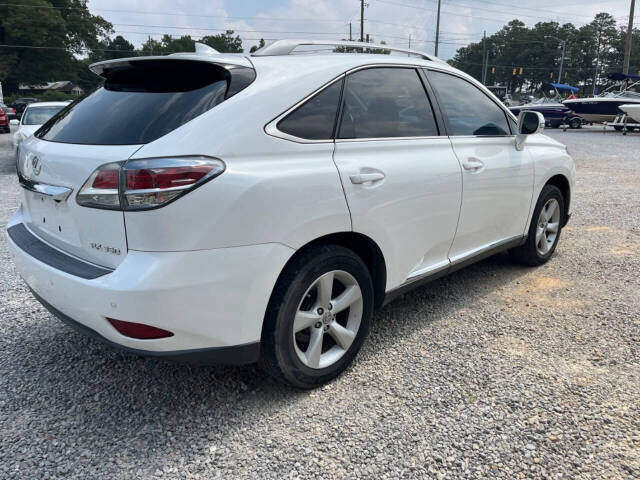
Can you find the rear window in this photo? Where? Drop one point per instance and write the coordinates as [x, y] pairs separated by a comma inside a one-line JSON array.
[[39, 115], [144, 100]]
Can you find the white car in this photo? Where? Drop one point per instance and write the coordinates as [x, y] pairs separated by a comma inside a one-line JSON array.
[[34, 116], [206, 207]]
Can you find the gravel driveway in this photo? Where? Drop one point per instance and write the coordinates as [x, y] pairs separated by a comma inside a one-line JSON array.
[[497, 371]]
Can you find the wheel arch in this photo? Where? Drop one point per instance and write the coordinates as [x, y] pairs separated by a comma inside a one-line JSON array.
[[562, 183], [363, 246]]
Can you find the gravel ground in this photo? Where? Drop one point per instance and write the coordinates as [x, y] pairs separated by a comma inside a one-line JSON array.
[[497, 371]]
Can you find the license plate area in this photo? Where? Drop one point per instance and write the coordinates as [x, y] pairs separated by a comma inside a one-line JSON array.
[[51, 217]]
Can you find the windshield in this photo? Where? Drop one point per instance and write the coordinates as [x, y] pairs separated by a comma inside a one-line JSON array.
[[144, 101], [39, 115], [627, 94]]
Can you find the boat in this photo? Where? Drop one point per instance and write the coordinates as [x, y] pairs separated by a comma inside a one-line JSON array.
[[550, 105], [606, 106], [632, 111]]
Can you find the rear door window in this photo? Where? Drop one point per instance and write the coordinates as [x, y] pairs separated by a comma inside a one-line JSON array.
[[315, 119], [386, 103], [142, 101], [468, 110]]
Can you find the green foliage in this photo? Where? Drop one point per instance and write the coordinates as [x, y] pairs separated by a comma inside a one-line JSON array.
[[538, 53], [46, 39], [257, 47], [52, 96], [224, 42], [60, 43]]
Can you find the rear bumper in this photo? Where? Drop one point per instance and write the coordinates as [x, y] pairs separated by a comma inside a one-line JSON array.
[[235, 355], [213, 301]]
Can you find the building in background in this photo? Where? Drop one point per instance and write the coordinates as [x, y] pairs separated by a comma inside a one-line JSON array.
[[62, 86]]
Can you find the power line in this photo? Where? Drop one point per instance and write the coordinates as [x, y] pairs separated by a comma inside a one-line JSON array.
[[512, 5], [176, 14], [448, 12], [189, 27]]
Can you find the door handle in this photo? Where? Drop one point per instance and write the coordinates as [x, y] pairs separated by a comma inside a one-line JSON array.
[[473, 165], [366, 177]]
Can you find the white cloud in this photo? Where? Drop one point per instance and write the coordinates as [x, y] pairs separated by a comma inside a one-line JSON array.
[[462, 20]]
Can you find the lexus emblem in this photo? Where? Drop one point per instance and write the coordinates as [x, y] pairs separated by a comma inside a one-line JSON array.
[[36, 164]]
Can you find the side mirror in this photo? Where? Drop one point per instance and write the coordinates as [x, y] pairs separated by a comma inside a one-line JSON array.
[[14, 122], [529, 123]]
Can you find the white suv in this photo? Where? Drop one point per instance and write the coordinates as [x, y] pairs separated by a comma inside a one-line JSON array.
[[207, 207]]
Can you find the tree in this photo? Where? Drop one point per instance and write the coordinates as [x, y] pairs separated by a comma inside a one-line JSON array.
[[537, 51], [118, 47], [257, 47], [44, 40], [224, 42]]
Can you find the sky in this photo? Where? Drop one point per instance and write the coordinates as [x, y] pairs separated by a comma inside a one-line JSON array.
[[393, 21]]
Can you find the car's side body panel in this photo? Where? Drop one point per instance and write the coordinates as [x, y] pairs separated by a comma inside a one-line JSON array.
[[550, 159], [271, 191], [412, 214], [496, 197]]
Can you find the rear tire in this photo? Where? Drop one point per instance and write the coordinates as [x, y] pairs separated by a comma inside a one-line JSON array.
[[318, 317], [544, 231], [575, 123]]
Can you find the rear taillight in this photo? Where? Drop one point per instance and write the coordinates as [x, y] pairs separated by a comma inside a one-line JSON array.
[[148, 183]]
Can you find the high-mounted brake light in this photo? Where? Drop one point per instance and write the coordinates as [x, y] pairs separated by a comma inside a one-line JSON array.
[[147, 183]]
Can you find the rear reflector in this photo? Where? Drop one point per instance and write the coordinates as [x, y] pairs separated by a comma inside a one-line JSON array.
[[139, 330]]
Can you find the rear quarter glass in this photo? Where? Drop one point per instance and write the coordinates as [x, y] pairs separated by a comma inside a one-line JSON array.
[[144, 101]]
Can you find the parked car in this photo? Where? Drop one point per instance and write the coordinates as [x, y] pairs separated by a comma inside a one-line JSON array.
[[10, 111], [4, 122], [34, 116], [20, 104], [207, 207]]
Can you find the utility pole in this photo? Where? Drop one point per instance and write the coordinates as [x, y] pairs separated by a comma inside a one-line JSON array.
[[486, 65], [408, 54], [627, 47], [362, 20], [437, 29], [350, 34], [484, 54], [564, 47], [595, 76]]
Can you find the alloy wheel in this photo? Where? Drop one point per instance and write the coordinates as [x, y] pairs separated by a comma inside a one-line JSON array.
[[548, 226], [327, 319]]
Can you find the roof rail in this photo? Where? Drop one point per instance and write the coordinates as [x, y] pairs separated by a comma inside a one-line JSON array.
[[285, 47]]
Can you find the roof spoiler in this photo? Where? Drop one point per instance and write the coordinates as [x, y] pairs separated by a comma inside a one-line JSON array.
[[203, 53]]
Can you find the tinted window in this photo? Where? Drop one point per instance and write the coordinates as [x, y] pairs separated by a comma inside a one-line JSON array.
[[140, 102], [469, 111], [315, 119], [386, 102]]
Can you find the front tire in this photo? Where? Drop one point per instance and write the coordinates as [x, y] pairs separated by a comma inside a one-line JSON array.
[[544, 231], [318, 317]]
